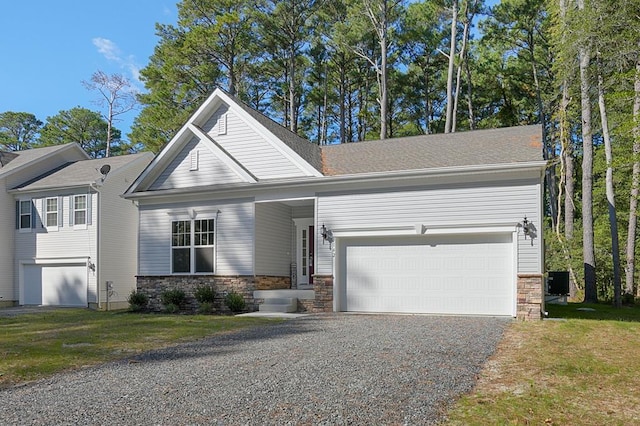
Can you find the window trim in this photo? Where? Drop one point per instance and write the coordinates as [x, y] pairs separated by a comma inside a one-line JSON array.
[[73, 210], [30, 214], [192, 245], [46, 213]]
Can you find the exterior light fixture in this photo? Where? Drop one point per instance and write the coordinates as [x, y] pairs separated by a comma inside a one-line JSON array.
[[526, 227], [326, 235]]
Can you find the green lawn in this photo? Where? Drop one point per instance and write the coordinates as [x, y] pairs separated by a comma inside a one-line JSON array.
[[580, 368], [37, 345]]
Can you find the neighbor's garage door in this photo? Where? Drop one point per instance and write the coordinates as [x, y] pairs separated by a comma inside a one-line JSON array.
[[456, 274], [60, 285]]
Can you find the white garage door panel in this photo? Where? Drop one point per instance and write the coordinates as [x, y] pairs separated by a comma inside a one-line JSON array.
[[447, 275], [57, 285]]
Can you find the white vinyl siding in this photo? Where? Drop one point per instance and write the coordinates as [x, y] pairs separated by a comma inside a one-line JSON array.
[[249, 148], [273, 239], [195, 165], [462, 207], [9, 285], [67, 242], [234, 239], [7, 227], [118, 246]]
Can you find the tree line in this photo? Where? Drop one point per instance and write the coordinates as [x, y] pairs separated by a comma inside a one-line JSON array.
[[340, 71], [92, 130]]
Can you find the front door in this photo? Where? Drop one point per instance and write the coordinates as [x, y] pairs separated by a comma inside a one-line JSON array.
[[305, 248]]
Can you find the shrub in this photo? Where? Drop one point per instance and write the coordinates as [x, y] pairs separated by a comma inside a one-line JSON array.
[[137, 301], [205, 294], [175, 297], [171, 308], [234, 301], [206, 308]]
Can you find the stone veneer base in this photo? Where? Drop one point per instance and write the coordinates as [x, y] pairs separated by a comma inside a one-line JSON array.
[[154, 286], [530, 303]]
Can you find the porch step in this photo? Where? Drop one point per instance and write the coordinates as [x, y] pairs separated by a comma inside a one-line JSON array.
[[279, 304]]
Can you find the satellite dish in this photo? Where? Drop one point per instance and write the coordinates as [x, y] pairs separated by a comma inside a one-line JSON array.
[[105, 169]]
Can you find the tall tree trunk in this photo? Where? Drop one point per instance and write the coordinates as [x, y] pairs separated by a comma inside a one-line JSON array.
[[588, 250], [461, 57], [613, 222], [635, 184], [452, 53], [567, 147], [383, 73], [427, 99], [342, 89], [547, 151], [325, 105], [293, 121], [472, 118]]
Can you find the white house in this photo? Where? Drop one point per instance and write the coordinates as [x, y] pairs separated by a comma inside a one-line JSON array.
[[445, 224], [73, 238]]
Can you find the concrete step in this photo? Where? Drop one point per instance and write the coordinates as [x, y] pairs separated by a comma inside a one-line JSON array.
[[279, 304], [273, 294]]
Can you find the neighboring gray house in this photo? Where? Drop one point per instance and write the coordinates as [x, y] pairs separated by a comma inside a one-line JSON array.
[[73, 237], [444, 224]]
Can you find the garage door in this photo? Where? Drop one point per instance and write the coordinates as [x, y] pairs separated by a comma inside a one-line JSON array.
[[58, 285], [456, 274]]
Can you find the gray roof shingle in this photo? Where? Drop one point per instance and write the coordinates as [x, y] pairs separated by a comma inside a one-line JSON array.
[[309, 151], [77, 173], [471, 148], [20, 158]]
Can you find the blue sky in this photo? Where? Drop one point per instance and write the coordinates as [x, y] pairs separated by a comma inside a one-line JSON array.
[[49, 47]]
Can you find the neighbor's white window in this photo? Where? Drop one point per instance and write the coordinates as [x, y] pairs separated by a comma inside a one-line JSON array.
[[79, 209], [51, 212], [192, 246], [24, 214]]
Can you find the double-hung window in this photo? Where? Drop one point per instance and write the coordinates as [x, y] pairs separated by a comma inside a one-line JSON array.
[[51, 212], [25, 215], [192, 246], [79, 209]]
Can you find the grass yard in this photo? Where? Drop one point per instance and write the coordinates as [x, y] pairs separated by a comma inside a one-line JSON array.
[[581, 370], [37, 345]]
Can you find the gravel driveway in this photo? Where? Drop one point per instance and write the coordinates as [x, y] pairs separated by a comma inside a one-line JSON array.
[[333, 369]]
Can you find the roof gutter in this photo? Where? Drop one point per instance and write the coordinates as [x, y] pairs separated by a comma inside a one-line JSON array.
[[50, 188], [389, 176]]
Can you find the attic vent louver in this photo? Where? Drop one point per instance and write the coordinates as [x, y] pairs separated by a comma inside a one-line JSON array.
[[222, 124], [194, 160]]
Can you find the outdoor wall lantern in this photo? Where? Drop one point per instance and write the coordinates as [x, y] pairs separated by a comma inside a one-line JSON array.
[[526, 227], [327, 235]]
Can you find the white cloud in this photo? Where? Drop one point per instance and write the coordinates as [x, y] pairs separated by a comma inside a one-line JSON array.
[[111, 52], [107, 48]]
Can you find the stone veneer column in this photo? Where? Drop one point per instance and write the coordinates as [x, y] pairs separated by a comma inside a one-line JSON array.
[[530, 298], [323, 288]]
